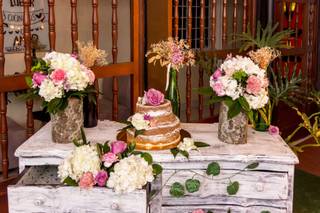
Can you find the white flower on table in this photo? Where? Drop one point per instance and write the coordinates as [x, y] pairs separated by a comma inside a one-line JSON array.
[[83, 159], [139, 122], [130, 174], [187, 145]]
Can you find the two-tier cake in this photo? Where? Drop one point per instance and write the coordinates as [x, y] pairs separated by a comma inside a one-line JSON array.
[[154, 126]]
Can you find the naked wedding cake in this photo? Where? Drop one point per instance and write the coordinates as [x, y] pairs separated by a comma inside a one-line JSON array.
[[154, 126]]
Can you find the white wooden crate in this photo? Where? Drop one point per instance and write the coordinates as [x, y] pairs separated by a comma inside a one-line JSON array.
[[39, 190]]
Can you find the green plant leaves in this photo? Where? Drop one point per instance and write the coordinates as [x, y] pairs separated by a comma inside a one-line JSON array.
[[184, 153], [234, 110], [147, 157], [70, 182], [213, 169], [192, 185], [174, 152], [139, 132], [244, 104], [177, 190], [233, 188], [253, 165], [157, 169], [201, 144], [265, 212]]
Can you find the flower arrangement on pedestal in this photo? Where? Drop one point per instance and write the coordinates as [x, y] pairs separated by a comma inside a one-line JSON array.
[[241, 86], [61, 81], [108, 165], [175, 55]]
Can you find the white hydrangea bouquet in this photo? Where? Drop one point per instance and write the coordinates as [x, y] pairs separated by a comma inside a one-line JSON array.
[[57, 77], [113, 164]]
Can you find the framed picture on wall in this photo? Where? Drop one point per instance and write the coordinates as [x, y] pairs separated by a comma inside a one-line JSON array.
[[13, 25]]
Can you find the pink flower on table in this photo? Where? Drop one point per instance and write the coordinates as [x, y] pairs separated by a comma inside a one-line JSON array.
[[87, 180], [217, 74], [273, 130], [109, 158], [254, 85], [101, 178], [154, 97], [58, 76], [198, 211], [218, 88], [117, 147], [37, 79]]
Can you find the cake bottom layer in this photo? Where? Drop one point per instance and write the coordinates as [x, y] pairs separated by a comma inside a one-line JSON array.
[[155, 142]]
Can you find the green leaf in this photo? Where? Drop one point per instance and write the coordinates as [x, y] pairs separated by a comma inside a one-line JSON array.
[[177, 190], [253, 165], [184, 153], [234, 110], [213, 169], [29, 81], [157, 169], [76, 142], [205, 91], [174, 152], [106, 147], [265, 212], [147, 157], [244, 104], [201, 144], [83, 136], [138, 132], [70, 182], [137, 153], [131, 147], [233, 188], [192, 185]]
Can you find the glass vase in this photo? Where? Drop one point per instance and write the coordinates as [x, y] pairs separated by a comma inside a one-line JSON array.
[[234, 130], [67, 124], [172, 92], [90, 113]]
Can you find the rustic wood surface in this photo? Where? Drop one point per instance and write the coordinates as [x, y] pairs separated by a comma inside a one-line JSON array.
[[261, 146]]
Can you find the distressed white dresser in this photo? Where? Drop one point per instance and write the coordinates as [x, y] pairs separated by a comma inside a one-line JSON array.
[[266, 188]]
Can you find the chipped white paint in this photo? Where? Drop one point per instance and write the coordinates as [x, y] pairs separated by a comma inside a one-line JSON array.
[[34, 194], [268, 188]]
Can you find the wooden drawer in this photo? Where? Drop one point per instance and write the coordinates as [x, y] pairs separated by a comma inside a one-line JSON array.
[[256, 188], [39, 191], [223, 209]]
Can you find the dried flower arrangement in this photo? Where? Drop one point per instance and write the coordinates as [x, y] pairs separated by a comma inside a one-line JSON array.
[[90, 55]]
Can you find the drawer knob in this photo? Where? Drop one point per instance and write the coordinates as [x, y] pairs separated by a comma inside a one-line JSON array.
[[38, 202], [115, 206]]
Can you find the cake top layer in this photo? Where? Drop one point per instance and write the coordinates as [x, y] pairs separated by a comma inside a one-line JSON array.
[[154, 111]]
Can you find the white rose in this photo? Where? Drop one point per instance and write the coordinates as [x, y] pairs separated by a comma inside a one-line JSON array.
[[257, 102], [187, 145], [139, 122]]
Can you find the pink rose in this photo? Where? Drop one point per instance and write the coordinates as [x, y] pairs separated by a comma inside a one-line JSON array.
[[273, 130], [254, 85], [198, 211], [87, 180], [147, 117], [101, 178], [177, 57], [109, 158], [154, 97], [58, 76], [117, 147], [91, 76], [217, 74], [218, 88], [37, 79]]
